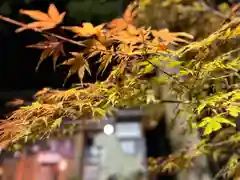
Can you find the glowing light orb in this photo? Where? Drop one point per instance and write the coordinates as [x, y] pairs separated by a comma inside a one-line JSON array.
[[108, 129]]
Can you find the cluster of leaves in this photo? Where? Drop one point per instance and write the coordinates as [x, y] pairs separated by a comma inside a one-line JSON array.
[[211, 83], [118, 43], [221, 69], [206, 84]]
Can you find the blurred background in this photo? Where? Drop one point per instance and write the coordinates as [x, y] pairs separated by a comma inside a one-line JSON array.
[[18, 79]]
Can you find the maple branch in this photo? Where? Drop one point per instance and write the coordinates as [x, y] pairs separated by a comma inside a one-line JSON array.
[[222, 143], [166, 73], [12, 21], [209, 9]]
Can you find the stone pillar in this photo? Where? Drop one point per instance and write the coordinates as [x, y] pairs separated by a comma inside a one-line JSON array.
[[178, 140]]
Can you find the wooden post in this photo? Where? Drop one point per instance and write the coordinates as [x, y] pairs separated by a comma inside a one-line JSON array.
[[237, 173], [21, 167], [79, 155]]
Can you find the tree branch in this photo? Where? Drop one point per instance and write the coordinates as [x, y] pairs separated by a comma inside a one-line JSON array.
[[222, 143], [9, 20], [175, 101], [209, 9]]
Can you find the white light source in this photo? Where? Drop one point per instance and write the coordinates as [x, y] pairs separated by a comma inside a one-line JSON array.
[[108, 129]]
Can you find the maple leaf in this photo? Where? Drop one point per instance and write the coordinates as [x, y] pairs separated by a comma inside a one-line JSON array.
[[126, 48], [171, 38], [126, 37], [51, 47], [131, 12], [41, 92], [78, 65], [86, 30], [94, 44], [105, 60], [129, 15], [44, 21], [15, 102], [131, 35], [133, 30], [117, 24], [235, 8], [156, 45], [123, 64], [93, 48]]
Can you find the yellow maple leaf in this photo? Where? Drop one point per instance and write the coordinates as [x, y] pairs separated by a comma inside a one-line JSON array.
[[86, 30], [44, 21], [78, 64]]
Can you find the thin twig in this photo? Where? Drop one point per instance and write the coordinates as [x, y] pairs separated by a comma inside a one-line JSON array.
[[37, 30], [169, 75], [222, 143], [2, 155], [175, 101]]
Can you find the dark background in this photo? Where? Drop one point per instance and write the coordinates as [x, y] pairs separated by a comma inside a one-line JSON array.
[[17, 63]]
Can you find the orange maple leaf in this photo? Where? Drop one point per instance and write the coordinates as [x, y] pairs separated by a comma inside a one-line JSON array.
[[42, 92], [131, 12], [44, 21], [15, 102], [128, 17], [51, 47], [171, 38], [118, 23]]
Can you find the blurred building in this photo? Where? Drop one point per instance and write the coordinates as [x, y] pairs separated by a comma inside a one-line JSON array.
[[76, 157]]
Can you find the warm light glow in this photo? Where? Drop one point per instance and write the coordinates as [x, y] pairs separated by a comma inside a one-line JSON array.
[[49, 158], [1, 171], [108, 129], [62, 166]]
